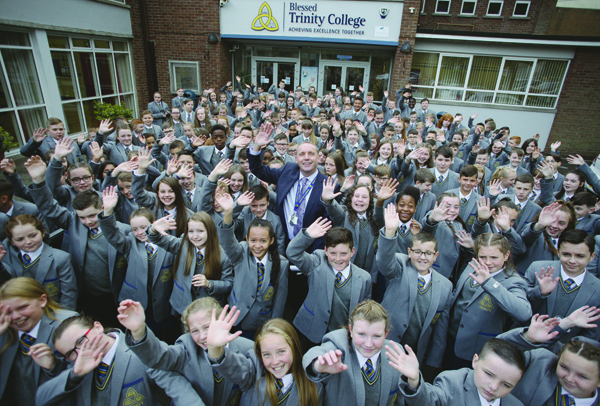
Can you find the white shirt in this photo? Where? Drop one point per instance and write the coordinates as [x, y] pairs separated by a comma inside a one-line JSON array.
[[362, 360], [10, 211], [407, 224], [581, 401], [485, 402], [290, 200], [578, 279], [287, 381], [461, 196], [35, 254], [192, 193], [426, 278], [34, 331], [521, 204], [438, 174], [110, 355], [345, 273], [201, 251]]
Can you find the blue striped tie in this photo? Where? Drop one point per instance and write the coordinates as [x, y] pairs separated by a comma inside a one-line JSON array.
[[95, 233], [279, 388], [261, 275], [403, 229], [463, 200], [570, 285], [26, 342], [102, 372], [421, 285], [220, 154], [338, 279], [218, 377], [149, 250], [199, 258], [567, 400], [26, 260], [127, 150], [363, 222], [188, 198], [440, 179], [369, 372]]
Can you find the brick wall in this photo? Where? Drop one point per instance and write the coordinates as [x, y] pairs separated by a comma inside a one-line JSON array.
[[403, 62], [576, 124]]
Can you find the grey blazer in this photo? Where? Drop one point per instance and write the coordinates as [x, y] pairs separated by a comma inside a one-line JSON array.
[[526, 215], [64, 194], [400, 298], [346, 388], [424, 206], [18, 208], [588, 294], [245, 218], [116, 151], [245, 282], [456, 388], [360, 116], [449, 256], [451, 182], [516, 242], [313, 317], [181, 296], [135, 284], [32, 148], [157, 110], [206, 157], [590, 224], [468, 210], [185, 357], [484, 316], [349, 152], [536, 249]]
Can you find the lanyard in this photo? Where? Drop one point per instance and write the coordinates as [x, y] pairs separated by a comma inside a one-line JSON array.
[[300, 198]]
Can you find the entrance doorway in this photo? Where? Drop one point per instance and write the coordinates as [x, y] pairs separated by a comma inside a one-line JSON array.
[[266, 72], [350, 75]]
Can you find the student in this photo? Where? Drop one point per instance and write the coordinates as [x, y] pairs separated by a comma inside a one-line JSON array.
[[103, 370], [384, 153], [260, 283], [159, 110], [497, 369], [498, 219], [201, 266], [12, 208], [445, 179], [360, 165], [28, 255], [502, 182], [498, 157], [355, 215], [45, 139], [585, 204], [570, 376], [541, 237], [356, 113], [467, 195], [281, 143], [121, 178], [149, 125], [457, 163], [238, 180], [202, 119], [98, 266], [28, 317], [207, 157], [514, 161], [349, 362], [149, 275], [591, 178], [424, 180], [119, 150], [558, 288], [307, 135], [573, 183], [488, 292], [335, 165], [335, 285], [188, 356], [417, 298], [351, 145]]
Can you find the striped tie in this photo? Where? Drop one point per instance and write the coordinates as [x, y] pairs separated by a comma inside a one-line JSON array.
[[218, 377], [440, 179], [369, 372], [199, 258], [149, 250], [127, 150], [463, 200], [220, 154], [338, 279], [532, 196], [102, 372], [95, 233], [251, 177], [570, 285], [261, 275], [421, 285], [279, 388], [188, 198], [26, 342], [403, 229], [567, 400], [363, 221], [520, 206], [26, 260]]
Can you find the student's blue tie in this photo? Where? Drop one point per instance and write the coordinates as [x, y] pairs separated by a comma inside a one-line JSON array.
[[102, 372], [369, 372], [95, 233], [218, 377], [220, 154], [421, 285], [520, 206], [570, 285], [188, 198], [199, 258], [463, 200], [532, 196], [338, 279], [279, 388], [149, 250], [127, 150], [26, 341], [261, 274], [26, 260], [567, 400], [251, 177], [363, 221], [403, 229], [440, 179]]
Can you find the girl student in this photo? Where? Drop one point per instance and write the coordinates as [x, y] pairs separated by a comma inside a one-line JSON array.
[[385, 153], [573, 183], [201, 266], [28, 317], [488, 292], [421, 157], [502, 182], [349, 362], [359, 166], [238, 180], [149, 275], [201, 119], [167, 200], [499, 219], [209, 203], [28, 255], [566, 376], [260, 283], [529, 146], [307, 134], [445, 223], [272, 374], [188, 356]]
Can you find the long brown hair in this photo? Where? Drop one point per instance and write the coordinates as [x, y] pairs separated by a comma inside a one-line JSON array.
[[212, 252], [181, 217], [307, 390], [353, 216], [568, 208]]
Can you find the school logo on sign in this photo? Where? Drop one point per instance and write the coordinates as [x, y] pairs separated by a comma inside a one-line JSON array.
[[383, 12], [265, 20]]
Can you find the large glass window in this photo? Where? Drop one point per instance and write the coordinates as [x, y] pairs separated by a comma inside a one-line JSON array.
[[488, 79], [184, 75]]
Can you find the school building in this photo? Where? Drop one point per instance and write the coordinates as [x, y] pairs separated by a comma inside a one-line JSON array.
[[530, 63]]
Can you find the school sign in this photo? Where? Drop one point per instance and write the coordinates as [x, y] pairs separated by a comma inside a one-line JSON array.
[[369, 22]]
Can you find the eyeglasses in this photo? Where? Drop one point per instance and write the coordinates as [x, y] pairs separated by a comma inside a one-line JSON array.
[[279, 144], [71, 356], [86, 178], [418, 253]]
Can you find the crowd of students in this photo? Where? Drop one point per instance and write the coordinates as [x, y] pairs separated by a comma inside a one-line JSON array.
[[317, 250]]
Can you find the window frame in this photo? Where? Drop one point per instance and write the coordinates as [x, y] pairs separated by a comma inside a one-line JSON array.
[[487, 12], [437, 2], [521, 2], [173, 77], [462, 13]]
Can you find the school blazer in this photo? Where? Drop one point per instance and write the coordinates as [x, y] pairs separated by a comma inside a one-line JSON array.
[[594, 265], [32, 148], [536, 249], [347, 388], [54, 272], [47, 327], [245, 282], [18, 208], [246, 217], [588, 293], [185, 357], [468, 210], [400, 298], [341, 144], [143, 198], [129, 380], [285, 178], [451, 182], [135, 284], [313, 317], [339, 218], [360, 116], [526, 215], [590, 224], [116, 151], [64, 194], [206, 157], [484, 316], [424, 206], [76, 234], [450, 254], [181, 296], [157, 110], [456, 388]]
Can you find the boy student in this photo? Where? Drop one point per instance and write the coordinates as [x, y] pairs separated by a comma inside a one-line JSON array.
[[39, 144], [558, 288], [467, 195], [99, 268], [515, 159], [497, 369], [121, 177], [585, 204], [12, 208], [356, 113], [178, 100], [282, 144], [335, 286], [417, 298], [457, 163], [149, 126], [445, 179], [187, 112], [207, 157], [424, 181]]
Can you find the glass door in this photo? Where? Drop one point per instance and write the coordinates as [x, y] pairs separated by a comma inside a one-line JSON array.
[[268, 72], [347, 74], [332, 78], [264, 74], [355, 77], [286, 72]]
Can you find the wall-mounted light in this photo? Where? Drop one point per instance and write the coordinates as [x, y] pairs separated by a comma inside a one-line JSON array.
[[213, 38], [406, 48]]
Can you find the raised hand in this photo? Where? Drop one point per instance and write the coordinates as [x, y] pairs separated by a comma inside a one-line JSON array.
[[144, 160], [582, 318], [547, 216], [110, 198], [329, 145], [8, 166], [503, 219], [5, 318], [401, 148], [404, 362], [330, 363], [576, 160], [329, 193], [546, 280], [186, 171], [42, 355], [537, 152], [475, 149], [172, 166], [240, 142], [392, 220], [540, 329], [387, 190], [162, 225], [263, 138], [97, 152], [81, 137], [319, 228], [484, 211], [440, 212], [198, 141], [555, 145], [132, 317], [220, 169], [219, 335], [104, 126], [63, 148], [90, 355], [167, 140], [348, 183], [39, 134], [36, 168], [546, 170], [481, 272], [464, 239], [495, 187], [415, 227]]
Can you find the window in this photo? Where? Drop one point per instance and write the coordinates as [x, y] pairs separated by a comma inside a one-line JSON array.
[[521, 9], [488, 79], [423, 6], [442, 7], [468, 7], [495, 8], [90, 70], [184, 75]]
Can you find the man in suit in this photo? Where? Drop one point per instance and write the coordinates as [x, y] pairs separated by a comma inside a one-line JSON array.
[[44, 140], [177, 101]]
